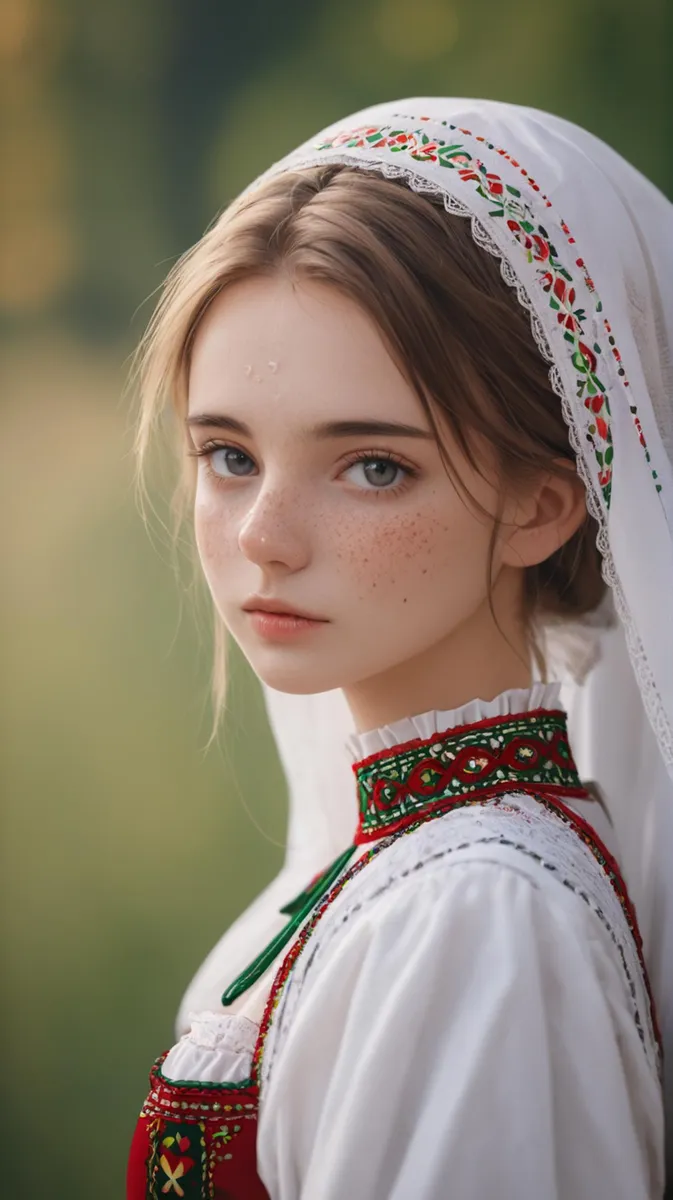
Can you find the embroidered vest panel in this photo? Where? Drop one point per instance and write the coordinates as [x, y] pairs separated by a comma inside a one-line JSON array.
[[197, 1141]]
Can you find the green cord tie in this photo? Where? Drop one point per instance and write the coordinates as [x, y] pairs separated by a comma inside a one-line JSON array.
[[300, 907]]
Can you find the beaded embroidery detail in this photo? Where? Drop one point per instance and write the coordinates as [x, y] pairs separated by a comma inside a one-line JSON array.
[[552, 272], [528, 751], [197, 1138]]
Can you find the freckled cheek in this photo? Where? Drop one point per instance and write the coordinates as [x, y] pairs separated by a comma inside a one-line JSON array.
[[391, 551]]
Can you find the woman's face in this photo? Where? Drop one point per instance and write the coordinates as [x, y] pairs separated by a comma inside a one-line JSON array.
[[300, 499]]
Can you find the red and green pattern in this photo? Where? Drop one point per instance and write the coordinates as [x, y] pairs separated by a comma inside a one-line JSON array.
[[196, 1141], [552, 272], [528, 752]]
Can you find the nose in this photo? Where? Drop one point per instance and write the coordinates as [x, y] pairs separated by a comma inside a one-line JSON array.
[[274, 531]]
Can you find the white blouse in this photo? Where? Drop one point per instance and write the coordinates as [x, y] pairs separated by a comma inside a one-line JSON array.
[[469, 1018]]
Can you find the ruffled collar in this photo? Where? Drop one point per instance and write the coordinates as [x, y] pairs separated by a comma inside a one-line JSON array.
[[437, 760]]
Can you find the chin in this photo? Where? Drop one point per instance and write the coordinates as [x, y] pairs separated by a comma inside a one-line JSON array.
[[296, 681], [298, 674]]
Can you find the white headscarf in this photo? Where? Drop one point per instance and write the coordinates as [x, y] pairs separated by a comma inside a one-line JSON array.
[[587, 242]]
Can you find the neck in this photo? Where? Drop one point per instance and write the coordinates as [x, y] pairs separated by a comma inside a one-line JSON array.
[[479, 659]]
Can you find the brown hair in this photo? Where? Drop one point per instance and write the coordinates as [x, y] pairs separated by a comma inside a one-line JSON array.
[[453, 324]]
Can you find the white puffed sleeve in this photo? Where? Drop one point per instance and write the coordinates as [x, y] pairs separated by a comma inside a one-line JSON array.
[[467, 1037]]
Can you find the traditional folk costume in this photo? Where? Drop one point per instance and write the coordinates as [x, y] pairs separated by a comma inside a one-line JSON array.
[[474, 998]]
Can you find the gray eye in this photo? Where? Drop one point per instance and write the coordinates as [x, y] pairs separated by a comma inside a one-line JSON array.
[[380, 471], [231, 462]]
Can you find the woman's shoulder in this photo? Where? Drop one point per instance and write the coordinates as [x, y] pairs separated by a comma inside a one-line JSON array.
[[530, 871], [476, 973], [541, 838]]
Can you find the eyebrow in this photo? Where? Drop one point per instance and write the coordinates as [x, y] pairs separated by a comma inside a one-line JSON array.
[[323, 431]]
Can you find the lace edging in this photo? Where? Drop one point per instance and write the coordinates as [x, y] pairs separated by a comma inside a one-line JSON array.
[[217, 1031]]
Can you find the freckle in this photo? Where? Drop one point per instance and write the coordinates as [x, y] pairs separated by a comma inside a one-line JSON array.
[[424, 571]]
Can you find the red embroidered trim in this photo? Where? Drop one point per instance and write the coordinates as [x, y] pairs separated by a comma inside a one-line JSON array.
[[195, 1099], [437, 807], [515, 751]]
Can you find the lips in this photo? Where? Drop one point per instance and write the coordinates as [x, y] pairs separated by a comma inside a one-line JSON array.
[[277, 608], [281, 626]]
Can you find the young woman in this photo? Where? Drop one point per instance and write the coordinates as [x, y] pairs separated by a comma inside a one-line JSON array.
[[421, 371]]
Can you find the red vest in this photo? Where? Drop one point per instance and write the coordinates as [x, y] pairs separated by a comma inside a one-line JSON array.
[[195, 1141]]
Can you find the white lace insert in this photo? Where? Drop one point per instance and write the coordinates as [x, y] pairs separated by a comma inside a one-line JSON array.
[[217, 1049]]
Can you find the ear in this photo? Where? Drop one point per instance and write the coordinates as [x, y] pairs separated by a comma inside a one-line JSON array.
[[545, 518]]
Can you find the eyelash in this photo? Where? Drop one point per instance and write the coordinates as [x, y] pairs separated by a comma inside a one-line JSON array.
[[208, 449]]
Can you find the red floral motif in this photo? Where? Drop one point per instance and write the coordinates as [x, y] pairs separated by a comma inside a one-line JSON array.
[[588, 356], [174, 1168], [594, 403], [494, 184], [426, 152], [385, 794], [569, 321], [542, 250], [356, 137], [403, 141]]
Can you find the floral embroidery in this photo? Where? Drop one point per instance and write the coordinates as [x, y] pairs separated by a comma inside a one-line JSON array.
[[507, 203], [528, 752], [196, 1141]]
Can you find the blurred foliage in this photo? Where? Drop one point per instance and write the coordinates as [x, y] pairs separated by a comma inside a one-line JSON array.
[[124, 129]]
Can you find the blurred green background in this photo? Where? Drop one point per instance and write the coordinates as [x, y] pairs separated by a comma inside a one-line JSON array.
[[124, 128]]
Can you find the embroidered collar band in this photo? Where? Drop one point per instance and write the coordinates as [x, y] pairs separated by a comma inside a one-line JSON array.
[[526, 752]]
